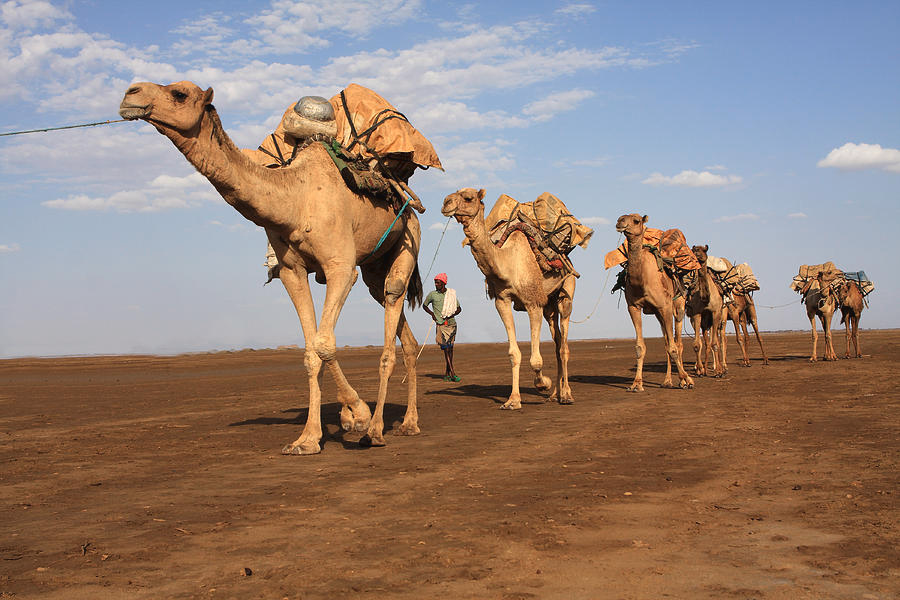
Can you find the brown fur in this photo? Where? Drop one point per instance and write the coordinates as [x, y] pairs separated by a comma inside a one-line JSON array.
[[315, 225], [852, 303], [742, 311], [705, 307], [514, 278], [820, 302], [651, 291]]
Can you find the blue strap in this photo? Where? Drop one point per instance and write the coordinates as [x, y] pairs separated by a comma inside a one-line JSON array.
[[388, 230]]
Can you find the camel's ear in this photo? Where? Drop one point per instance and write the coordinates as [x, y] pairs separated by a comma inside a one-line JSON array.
[[644, 220], [706, 248], [208, 96], [481, 194]]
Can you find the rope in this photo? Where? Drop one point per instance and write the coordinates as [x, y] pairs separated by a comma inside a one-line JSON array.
[[447, 224], [779, 306], [602, 289], [65, 127]]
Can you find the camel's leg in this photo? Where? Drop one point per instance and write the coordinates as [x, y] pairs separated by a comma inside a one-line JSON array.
[[410, 425], [737, 320], [715, 335], [744, 340], [355, 414], [541, 381], [640, 349], [678, 307], [856, 335], [297, 287], [551, 314], [564, 305], [666, 318], [700, 363], [829, 346], [751, 317], [515, 355], [815, 338]]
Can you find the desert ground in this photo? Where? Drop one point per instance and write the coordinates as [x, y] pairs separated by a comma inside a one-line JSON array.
[[161, 477]]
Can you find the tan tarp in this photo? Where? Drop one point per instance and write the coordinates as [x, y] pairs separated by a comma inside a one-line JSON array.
[[807, 274], [671, 243], [395, 139], [561, 229], [741, 279], [393, 136]]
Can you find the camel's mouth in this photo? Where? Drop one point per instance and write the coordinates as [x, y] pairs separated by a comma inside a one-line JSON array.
[[620, 228], [131, 112]]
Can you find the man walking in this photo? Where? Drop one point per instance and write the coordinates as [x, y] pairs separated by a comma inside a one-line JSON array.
[[445, 306]]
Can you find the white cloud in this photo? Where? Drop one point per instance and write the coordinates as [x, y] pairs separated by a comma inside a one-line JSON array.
[[546, 109], [457, 116], [576, 10], [740, 217], [595, 221], [9, 248], [797, 215], [598, 161], [693, 179], [440, 226], [29, 14], [716, 168], [857, 157], [163, 193]]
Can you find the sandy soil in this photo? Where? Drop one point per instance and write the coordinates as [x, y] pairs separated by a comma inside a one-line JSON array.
[[161, 477]]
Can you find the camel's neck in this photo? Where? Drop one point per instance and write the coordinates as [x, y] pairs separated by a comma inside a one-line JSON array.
[[635, 266], [484, 251], [703, 281], [235, 176]]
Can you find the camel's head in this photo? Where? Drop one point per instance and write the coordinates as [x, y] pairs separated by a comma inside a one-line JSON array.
[[700, 252], [633, 224], [463, 204], [178, 106]]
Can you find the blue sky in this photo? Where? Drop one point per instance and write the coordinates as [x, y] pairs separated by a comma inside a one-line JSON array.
[[768, 130]]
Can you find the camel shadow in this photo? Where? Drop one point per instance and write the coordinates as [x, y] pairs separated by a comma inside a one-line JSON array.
[[498, 394], [393, 416], [606, 380]]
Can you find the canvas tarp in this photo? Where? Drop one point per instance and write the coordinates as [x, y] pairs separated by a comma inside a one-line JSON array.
[[378, 124], [671, 243], [740, 278], [806, 277], [557, 230]]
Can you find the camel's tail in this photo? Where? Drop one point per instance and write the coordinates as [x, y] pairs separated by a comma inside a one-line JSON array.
[[414, 289]]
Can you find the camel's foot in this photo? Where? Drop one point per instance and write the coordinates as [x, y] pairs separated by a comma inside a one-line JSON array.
[[355, 417], [566, 399], [407, 429], [637, 386], [372, 439], [859, 355], [687, 383], [667, 383], [514, 403], [745, 363], [542, 383], [297, 449], [812, 359]]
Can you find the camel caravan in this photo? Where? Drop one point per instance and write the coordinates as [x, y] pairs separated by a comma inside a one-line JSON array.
[[825, 289], [330, 187]]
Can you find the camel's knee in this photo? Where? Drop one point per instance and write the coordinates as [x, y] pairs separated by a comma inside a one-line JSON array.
[[536, 362], [394, 290], [326, 347], [515, 357], [388, 359], [312, 362], [639, 351]]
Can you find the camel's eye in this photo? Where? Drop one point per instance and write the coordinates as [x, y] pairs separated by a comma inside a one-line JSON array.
[[179, 96]]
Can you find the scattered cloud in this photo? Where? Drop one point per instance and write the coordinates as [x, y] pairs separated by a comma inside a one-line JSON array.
[[597, 161], [740, 217], [693, 179], [576, 10], [595, 221], [797, 215], [716, 168], [439, 226], [9, 248], [163, 193], [546, 109], [858, 157]]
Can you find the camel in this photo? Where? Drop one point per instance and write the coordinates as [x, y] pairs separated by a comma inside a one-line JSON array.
[[851, 301], [315, 225], [742, 311], [705, 305], [515, 281], [650, 290], [820, 301]]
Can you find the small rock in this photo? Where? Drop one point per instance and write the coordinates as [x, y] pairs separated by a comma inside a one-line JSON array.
[[246, 572]]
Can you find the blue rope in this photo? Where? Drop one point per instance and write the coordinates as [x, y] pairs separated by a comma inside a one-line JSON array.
[[388, 230]]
